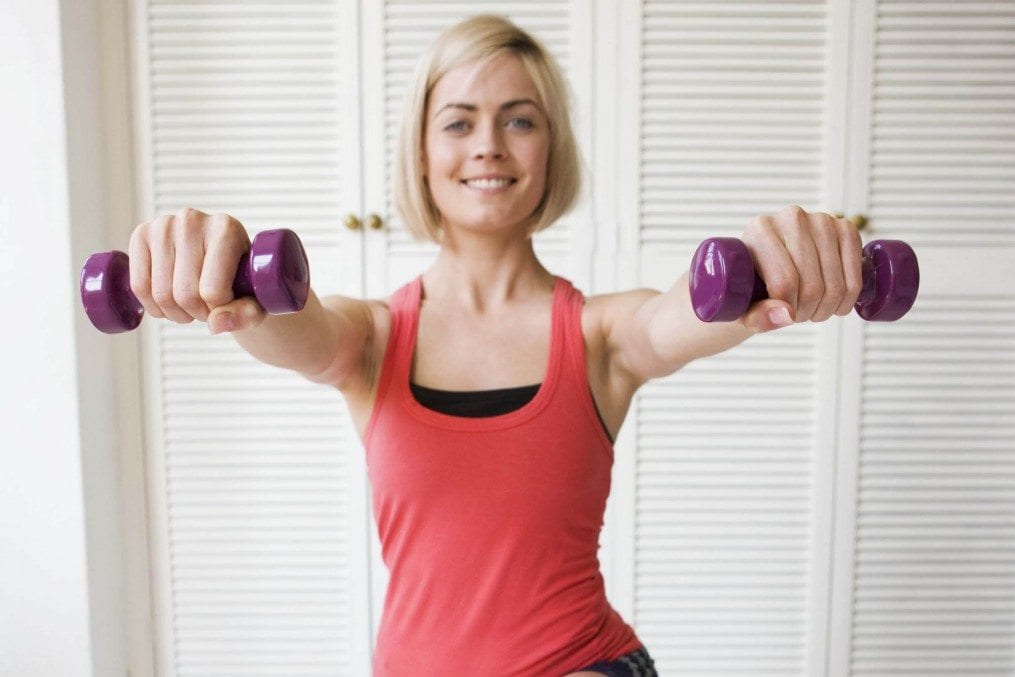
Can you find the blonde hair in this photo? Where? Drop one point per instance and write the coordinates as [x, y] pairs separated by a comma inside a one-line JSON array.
[[483, 38]]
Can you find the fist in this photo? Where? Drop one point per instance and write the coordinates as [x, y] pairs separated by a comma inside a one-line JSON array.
[[810, 263], [182, 268]]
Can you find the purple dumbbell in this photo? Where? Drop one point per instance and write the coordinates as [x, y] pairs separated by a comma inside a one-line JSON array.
[[274, 271], [724, 283]]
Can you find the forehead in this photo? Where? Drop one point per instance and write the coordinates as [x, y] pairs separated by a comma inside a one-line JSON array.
[[500, 79]]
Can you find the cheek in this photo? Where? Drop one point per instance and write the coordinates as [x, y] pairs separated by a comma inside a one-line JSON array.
[[439, 161], [536, 157]]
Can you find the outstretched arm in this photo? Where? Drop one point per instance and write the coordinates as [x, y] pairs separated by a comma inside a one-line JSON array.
[[182, 267], [810, 263]]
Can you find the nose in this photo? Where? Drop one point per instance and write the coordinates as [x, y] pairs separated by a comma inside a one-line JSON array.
[[489, 142]]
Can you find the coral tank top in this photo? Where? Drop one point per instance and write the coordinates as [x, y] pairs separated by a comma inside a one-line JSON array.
[[489, 526]]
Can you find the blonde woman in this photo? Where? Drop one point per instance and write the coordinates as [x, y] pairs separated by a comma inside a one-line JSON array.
[[488, 391]]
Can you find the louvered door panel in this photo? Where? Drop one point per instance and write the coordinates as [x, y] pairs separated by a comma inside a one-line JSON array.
[[394, 257], [935, 553], [724, 481], [934, 579], [250, 464], [732, 116], [944, 122], [732, 125]]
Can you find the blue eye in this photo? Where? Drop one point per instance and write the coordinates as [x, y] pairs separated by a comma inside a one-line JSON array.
[[522, 123], [456, 126]]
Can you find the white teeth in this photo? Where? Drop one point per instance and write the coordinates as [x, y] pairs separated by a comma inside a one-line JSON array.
[[487, 183]]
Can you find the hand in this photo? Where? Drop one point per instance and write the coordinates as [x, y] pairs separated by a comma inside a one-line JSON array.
[[182, 268], [810, 263]]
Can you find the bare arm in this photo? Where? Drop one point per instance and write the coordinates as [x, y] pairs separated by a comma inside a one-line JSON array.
[[182, 268], [326, 341], [811, 267]]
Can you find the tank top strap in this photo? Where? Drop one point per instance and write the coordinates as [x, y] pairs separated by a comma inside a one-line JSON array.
[[405, 303], [574, 379], [572, 302], [403, 308]]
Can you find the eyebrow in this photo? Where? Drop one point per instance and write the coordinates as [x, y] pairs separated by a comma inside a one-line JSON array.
[[472, 107]]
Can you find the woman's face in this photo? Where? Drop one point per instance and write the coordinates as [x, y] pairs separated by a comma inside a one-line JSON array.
[[485, 145]]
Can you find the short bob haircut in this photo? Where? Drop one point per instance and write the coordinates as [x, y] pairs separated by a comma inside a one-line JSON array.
[[483, 38]]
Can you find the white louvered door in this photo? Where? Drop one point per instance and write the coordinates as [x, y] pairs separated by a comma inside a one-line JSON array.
[[875, 459], [395, 34], [732, 460], [930, 585], [256, 503]]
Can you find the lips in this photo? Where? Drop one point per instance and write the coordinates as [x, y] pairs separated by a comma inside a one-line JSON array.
[[488, 184]]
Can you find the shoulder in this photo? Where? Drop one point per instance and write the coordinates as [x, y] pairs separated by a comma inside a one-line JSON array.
[[608, 321], [607, 314], [368, 323]]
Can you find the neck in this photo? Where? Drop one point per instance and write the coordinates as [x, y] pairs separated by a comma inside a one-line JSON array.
[[482, 273]]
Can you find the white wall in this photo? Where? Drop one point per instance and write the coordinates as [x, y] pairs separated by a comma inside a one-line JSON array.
[[61, 555]]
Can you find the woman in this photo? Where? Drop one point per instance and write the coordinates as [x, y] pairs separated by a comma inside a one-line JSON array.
[[488, 391]]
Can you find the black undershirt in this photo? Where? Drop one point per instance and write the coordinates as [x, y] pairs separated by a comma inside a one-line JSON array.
[[480, 403]]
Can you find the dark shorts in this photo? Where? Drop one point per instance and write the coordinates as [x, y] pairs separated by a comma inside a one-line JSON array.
[[635, 664]]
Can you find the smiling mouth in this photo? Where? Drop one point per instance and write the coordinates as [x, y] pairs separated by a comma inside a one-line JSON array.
[[487, 184]]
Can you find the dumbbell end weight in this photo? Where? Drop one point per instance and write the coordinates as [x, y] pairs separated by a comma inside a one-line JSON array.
[[891, 280], [723, 282], [274, 271], [106, 295]]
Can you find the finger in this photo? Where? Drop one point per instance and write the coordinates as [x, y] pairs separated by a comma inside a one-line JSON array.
[[850, 249], [794, 226], [140, 265], [189, 247], [825, 235], [767, 315], [772, 261], [225, 244], [240, 314], [163, 251]]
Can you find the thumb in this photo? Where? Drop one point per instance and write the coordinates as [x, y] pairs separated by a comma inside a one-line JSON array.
[[237, 315], [767, 315]]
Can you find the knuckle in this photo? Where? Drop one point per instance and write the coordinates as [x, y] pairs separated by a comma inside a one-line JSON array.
[[191, 226], [163, 297], [158, 224], [141, 286], [836, 289], [228, 230], [811, 293], [159, 229], [825, 224], [853, 288], [185, 213], [851, 233], [795, 212], [781, 285], [791, 229], [215, 296], [186, 293], [139, 232], [218, 222]]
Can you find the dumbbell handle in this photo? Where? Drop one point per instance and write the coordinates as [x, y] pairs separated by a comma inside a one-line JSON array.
[[274, 271], [723, 281]]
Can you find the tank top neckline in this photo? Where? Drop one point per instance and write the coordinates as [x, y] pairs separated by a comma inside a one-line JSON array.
[[497, 422]]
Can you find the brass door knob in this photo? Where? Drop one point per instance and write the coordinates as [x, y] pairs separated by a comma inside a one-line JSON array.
[[375, 222], [352, 222]]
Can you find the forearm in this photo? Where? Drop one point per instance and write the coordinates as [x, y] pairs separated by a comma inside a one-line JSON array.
[[307, 341], [675, 334]]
